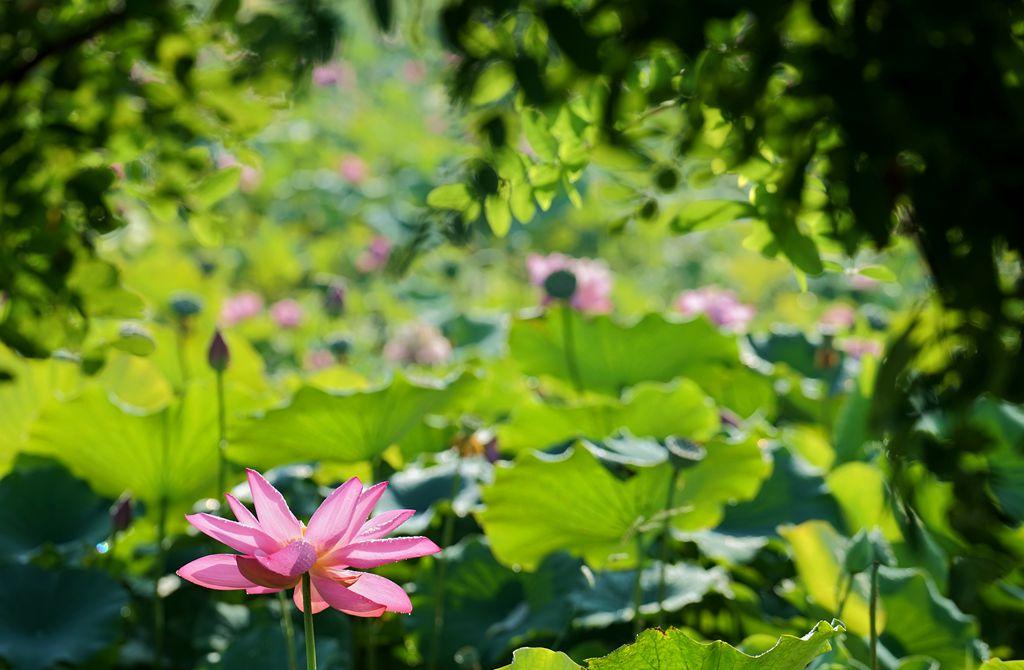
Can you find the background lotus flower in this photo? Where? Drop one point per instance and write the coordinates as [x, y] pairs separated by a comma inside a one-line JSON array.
[[720, 305], [240, 307], [593, 279], [374, 256], [286, 313], [276, 549], [420, 343]]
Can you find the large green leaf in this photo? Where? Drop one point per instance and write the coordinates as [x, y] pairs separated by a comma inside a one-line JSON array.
[[648, 410], [673, 650], [318, 425], [532, 658], [34, 383], [170, 454], [612, 357], [47, 506], [575, 504], [49, 618], [996, 664], [611, 599], [795, 492], [925, 623], [819, 552]]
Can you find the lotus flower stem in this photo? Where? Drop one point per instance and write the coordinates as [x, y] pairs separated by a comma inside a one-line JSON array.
[[666, 531], [287, 629], [569, 345], [222, 441], [307, 616], [873, 611], [638, 587], [447, 533], [847, 587], [161, 566]]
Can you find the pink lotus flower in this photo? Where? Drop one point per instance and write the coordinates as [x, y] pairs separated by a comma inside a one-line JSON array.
[[240, 307], [858, 347], [319, 359], [277, 550], [353, 169], [719, 305], [342, 75], [286, 313], [419, 343], [593, 279], [838, 317], [374, 256]]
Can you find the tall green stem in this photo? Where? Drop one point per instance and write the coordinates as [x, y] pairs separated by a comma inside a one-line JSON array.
[[222, 441], [287, 629], [441, 568], [873, 612], [161, 567], [666, 530], [307, 617], [638, 586], [182, 355], [569, 345]]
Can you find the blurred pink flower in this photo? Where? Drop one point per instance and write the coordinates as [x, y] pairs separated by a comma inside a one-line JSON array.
[[838, 317], [419, 343], [414, 71], [353, 169], [375, 256], [862, 283], [342, 75], [720, 305], [286, 313], [250, 177], [593, 279], [277, 550], [240, 307], [117, 169], [319, 359], [858, 347]]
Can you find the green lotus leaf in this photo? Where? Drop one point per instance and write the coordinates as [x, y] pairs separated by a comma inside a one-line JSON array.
[[34, 383], [929, 624], [819, 552], [673, 650], [611, 598], [680, 409], [577, 505], [343, 427], [611, 357], [49, 618], [532, 658], [795, 492], [47, 506], [170, 454]]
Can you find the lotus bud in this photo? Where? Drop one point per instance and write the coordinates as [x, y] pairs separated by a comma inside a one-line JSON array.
[[218, 354], [121, 513]]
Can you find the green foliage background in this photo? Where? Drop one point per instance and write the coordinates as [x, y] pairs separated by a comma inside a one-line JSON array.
[[848, 169]]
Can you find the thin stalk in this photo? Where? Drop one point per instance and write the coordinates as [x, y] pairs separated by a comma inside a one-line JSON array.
[[847, 587], [638, 589], [873, 612], [441, 569], [665, 535], [569, 345], [222, 441], [182, 355], [307, 617], [161, 566], [371, 644], [287, 629]]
